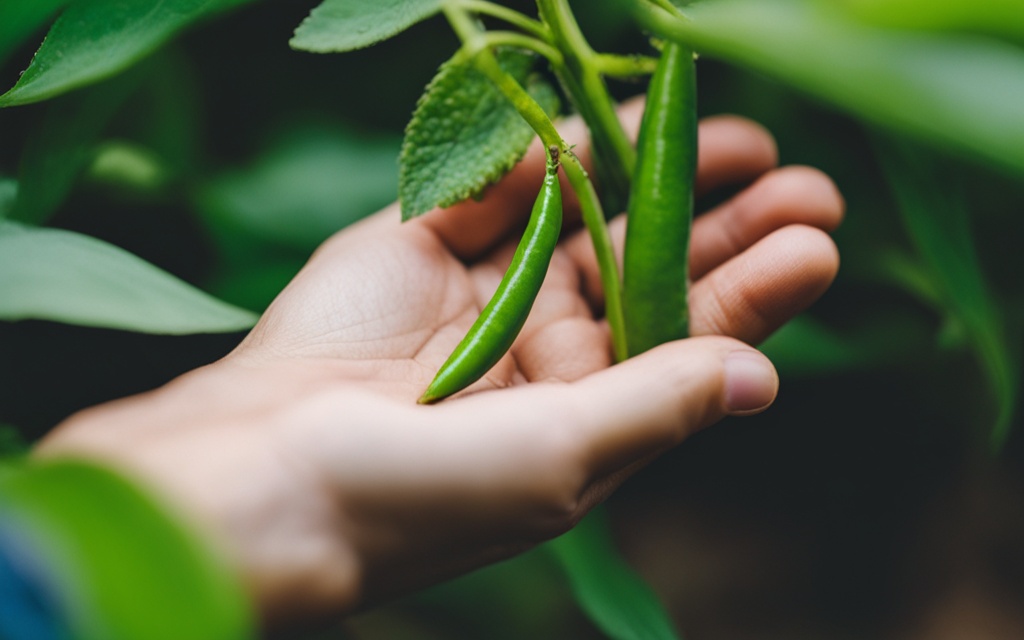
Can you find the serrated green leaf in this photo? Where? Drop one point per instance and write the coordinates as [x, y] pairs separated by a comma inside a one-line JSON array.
[[20, 19], [51, 274], [344, 25], [464, 134], [612, 595], [95, 39], [961, 91], [935, 213]]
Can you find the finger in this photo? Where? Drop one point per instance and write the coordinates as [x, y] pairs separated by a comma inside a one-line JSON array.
[[611, 419], [754, 293], [791, 195], [732, 150], [545, 452], [787, 196]]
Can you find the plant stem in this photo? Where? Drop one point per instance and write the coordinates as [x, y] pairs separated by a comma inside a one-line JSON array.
[[511, 16], [614, 156], [521, 41], [618, 66], [474, 46]]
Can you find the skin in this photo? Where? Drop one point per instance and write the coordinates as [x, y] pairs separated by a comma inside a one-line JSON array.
[[305, 459]]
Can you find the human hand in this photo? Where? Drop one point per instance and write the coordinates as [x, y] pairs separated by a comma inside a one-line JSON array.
[[305, 457]]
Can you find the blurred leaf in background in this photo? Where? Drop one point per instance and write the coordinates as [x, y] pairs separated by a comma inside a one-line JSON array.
[[19, 20], [1003, 18], [307, 184], [59, 275], [615, 598], [62, 143], [95, 39], [310, 181], [960, 91], [933, 205]]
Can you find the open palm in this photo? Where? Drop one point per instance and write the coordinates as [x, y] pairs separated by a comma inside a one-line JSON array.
[[305, 457], [392, 301]]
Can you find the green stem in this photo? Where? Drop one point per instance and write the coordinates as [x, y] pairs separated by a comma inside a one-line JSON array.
[[474, 45], [593, 218], [521, 41], [511, 16], [614, 156], [619, 66]]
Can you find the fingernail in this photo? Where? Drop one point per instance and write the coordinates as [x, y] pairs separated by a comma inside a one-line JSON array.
[[750, 382]]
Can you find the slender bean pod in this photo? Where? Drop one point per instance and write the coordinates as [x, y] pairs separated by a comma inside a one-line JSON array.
[[656, 260], [499, 323]]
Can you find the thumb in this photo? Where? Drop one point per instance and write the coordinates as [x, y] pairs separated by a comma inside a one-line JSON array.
[[641, 407]]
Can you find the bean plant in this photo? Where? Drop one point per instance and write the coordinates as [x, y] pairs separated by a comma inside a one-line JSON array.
[[936, 86]]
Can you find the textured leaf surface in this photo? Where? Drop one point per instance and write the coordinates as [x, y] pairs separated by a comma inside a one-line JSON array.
[[51, 274], [615, 599], [94, 39], [936, 215], [464, 134], [962, 91], [344, 25]]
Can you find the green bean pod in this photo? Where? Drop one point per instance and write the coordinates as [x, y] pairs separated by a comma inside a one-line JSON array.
[[499, 323], [660, 213]]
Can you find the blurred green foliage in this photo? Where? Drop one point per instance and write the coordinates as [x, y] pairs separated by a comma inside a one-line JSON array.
[[214, 152]]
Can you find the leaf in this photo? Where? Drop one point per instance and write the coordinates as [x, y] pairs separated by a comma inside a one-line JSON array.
[[345, 25], [50, 274], [960, 91], [807, 347], [62, 144], [11, 441], [305, 187], [1003, 18], [615, 599], [19, 20], [116, 565], [933, 206], [464, 134], [8, 195], [95, 39]]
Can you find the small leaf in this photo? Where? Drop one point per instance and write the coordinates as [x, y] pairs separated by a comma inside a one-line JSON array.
[[961, 91], [464, 134], [344, 25], [615, 599], [935, 212], [50, 274], [19, 20], [95, 39]]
